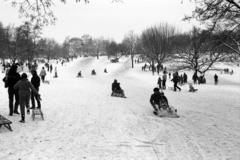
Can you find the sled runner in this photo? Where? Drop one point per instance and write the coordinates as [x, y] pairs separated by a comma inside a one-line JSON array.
[[170, 112], [37, 111], [5, 122]]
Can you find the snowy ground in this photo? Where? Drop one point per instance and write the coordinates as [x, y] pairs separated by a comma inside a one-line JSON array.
[[82, 120]]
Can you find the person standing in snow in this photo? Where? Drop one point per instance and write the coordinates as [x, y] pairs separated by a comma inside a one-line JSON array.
[[164, 79], [12, 78], [24, 87], [114, 86], [43, 74], [56, 75], [35, 80], [216, 79], [51, 68], [175, 81], [159, 82]]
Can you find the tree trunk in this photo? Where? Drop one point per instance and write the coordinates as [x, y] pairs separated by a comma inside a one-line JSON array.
[[153, 67]]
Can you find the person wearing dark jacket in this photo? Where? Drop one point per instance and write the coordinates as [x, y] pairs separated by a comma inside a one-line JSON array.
[[12, 78], [216, 79], [158, 101], [24, 94], [114, 86], [159, 82], [175, 81], [35, 80]]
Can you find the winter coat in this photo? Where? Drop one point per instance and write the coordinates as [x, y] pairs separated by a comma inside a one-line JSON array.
[[24, 87], [43, 72], [13, 78], [156, 98], [114, 86], [175, 79], [164, 77], [159, 80], [35, 80]]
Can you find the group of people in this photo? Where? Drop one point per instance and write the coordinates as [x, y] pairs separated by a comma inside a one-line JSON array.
[[92, 73], [21, 89]]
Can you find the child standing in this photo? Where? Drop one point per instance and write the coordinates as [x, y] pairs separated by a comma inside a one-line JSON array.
[[24, 86]]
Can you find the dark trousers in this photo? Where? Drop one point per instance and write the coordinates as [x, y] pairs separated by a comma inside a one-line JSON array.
[[11, 94], [175, 86], [24, 101], [33, 97], [164, 84], [160, 86], [43, 78]]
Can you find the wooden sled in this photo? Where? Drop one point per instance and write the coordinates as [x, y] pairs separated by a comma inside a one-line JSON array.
[[37, 111], [172, 113], [5, 122]]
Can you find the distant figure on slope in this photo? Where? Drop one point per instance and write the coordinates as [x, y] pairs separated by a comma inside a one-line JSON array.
[[175, 82], [164, 79], [159, 82], [43, 74], [105, 70], [79, 74], [195, 78], [191, 88], [56, 75], [93, 72], [216, 79]]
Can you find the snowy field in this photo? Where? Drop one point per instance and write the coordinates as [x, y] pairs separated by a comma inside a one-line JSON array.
[[82, 120]]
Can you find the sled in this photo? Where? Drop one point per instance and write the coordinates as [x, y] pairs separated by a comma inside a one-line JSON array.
[[5, 122], [118, 95], [172, 113], [37, 111]]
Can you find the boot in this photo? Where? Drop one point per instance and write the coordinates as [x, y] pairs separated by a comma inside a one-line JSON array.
[[23, 119]]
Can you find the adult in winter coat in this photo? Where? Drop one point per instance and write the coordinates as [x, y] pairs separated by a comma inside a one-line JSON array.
[[184, 78], [43, 73], [216, 79], [158, 100], [159, 82], [51, 68], [175, 82], [164, 79], [195, 78], [12, 78], [35, 80], [24, 94]]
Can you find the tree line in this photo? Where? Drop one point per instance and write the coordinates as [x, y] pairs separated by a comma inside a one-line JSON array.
[[197, 49]]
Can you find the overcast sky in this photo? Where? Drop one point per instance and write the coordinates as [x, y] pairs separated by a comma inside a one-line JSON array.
[[107, 19]]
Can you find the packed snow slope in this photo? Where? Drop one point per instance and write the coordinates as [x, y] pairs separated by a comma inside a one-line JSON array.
[[83, 121]]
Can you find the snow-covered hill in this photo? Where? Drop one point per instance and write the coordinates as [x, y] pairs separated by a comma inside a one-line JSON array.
[[82, 120]]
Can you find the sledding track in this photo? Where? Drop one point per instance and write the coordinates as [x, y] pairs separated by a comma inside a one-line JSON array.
[[82, 120]]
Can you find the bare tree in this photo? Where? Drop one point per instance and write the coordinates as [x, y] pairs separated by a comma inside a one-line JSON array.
[[40, 11], [157, 42], [130, 41], [198, 50]]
